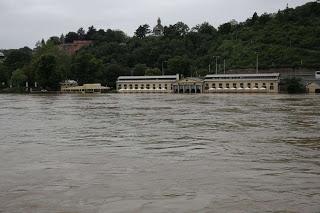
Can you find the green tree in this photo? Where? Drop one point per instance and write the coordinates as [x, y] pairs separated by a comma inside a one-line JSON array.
[[48, 73], [112, 72], [152, 71], [91, 33], [179, 65], [139, 69], [81, 34], [87, 69], [70, 37], [18, 78], [142, 31], [294, 85], [4, 76], [55, 40], [16, 59]]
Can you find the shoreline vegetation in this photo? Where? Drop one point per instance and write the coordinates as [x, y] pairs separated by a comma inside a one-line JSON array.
[[285, 39]]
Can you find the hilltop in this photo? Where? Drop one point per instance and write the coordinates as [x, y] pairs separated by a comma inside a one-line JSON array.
[[285, 39]]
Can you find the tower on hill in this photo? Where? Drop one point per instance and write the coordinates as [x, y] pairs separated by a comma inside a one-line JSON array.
[[158, 29]]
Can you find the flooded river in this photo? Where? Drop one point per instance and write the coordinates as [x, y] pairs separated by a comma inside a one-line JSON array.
[[159, 153]]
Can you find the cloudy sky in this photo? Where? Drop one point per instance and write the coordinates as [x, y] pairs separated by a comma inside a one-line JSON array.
[[23, 22]]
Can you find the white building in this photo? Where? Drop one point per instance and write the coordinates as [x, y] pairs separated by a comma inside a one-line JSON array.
[[71, 86], [239, 83], [146, 84], [227, 83]]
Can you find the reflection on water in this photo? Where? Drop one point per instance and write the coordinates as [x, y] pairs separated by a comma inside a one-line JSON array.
[[159, 153]]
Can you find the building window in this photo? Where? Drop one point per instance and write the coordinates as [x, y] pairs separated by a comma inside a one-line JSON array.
[[220, 85], [119, 86], [249, 85], [241, 85], [227, 85], [130, 86], [256, 85], [264, 85], [214, 86], [125, 86], [153, 86], [166, 86], [271, 86], [171, 86], [136, 86], [142, 86], [206, 87], [234, 85], [159, 86]]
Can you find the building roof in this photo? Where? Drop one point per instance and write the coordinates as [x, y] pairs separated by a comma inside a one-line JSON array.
[[159, 77], [316, 82], [244, 75]]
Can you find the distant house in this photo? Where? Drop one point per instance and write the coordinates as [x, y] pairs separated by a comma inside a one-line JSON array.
[[313, 87], [72, 48]]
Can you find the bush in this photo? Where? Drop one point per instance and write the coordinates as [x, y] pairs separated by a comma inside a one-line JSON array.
[[294, 85]]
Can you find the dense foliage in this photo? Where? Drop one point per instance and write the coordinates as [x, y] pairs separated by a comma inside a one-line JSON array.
[[288, 38]]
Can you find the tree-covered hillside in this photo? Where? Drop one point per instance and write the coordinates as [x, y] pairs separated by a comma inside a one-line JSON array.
[[288, 38]]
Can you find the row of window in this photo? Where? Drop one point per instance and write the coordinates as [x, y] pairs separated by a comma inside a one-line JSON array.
[[142, 86], [241, 85], [243, 77]]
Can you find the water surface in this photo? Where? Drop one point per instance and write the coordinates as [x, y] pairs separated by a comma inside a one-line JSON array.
[[159, 153]]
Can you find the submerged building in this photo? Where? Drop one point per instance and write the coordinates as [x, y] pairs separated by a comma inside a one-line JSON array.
[[227, 83], [239, 83], [147, 84], [313, 87], [71, 86]]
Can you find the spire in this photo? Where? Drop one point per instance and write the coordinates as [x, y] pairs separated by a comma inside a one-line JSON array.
[[158, 29]]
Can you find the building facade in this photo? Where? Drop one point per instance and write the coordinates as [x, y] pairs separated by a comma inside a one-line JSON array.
[[242, 83], [230, 83], [313, 87], [146, 84], [188, 85]]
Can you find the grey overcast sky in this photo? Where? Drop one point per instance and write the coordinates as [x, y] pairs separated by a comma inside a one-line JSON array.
[[23, 22]]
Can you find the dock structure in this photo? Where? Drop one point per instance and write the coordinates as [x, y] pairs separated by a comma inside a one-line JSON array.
[[226, 83], [86, 88]]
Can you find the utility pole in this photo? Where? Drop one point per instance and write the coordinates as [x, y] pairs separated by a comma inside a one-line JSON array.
[[216, 63], [162, 68], [257, 62]]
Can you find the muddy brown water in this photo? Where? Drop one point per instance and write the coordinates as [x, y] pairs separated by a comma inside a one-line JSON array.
[[159, 153]]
